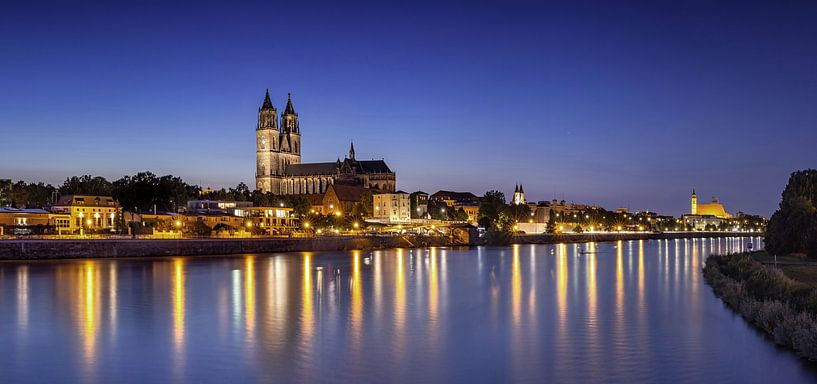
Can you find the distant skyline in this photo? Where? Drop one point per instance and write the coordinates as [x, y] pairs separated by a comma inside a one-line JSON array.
[[595, 103]]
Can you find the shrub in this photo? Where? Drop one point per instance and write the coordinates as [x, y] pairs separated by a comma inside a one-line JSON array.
[[767, 299]]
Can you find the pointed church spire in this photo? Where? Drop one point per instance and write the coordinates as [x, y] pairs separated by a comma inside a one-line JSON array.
[[516, 188], [289, 110], [352, 151], [521, 190], [267, 101]]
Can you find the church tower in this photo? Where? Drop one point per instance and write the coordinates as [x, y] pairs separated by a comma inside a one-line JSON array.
[[694, 203], [519, 195], [290, 136], [267, 143]]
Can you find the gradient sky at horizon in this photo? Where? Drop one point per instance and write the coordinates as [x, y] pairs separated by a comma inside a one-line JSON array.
[[598, 103]]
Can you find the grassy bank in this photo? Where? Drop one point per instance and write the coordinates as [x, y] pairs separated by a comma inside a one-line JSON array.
[[769, 300]]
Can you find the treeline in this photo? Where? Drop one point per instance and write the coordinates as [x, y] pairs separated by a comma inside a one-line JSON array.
[[777, 305], [793, 227], [499, 218], [143, 191]]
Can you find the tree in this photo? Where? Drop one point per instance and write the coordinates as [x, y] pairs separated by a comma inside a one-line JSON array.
[[490, 209], [144, 191], [551, 225], [197, 228], [518, 213], [240, 193], [793, 227], [31, 195], [459, 215], [438, 210], [86, 185]]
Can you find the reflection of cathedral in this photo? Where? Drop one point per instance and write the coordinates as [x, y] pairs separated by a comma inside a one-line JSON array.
[[278, 159]]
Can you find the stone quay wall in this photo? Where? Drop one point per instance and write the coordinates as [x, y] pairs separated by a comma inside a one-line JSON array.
[[80, 249]]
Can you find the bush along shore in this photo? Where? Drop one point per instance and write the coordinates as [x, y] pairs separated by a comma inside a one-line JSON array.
[[770, 301]]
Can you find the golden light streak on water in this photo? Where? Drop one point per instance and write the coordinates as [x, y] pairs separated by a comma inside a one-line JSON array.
[[307, 298], [357, 298], [400, 305], [178, 298], [561, 283], [516, 288], [400, 292], [641, 287], [433, 289], [89, 313], [249, 297], [619, 305], [592, 292]]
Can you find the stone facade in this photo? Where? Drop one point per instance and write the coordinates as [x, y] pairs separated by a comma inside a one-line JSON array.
[[392, 207], [278, 159]]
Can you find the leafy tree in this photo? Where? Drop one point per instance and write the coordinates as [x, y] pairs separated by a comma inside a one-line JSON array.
[[31, 195], [491, 207], [240, 193], [86, 185], [551, 225], [197, 228], [459, 215], [793, 227], [144, 191], [518, 213], [438, 210]]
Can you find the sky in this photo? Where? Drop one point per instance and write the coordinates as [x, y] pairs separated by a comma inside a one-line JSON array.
[[621, 104]]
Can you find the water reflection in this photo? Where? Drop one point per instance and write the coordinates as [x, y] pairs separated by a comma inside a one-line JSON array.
[[22, 299], [178, 298], [521, 313]]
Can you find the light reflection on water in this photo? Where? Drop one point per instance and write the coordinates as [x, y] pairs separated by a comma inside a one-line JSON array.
[[596, 312]]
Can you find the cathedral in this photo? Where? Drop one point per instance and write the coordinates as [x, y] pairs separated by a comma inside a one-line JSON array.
[[278, 159]]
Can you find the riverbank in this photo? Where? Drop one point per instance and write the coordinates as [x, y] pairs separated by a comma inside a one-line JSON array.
[[780, 307], [553, 238], [26, 249]]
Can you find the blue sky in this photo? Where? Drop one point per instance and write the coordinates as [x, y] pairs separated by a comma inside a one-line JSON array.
[[628, 106]]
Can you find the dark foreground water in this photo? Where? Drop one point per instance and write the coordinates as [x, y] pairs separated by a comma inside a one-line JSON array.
[[633, 311]]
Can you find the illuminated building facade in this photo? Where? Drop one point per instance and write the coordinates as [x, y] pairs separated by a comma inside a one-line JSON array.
[[278, 159], [392, 207], [86, 212], [705, 216], [713, 208]]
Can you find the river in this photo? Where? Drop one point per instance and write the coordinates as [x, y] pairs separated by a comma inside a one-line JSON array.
[[628, 311]]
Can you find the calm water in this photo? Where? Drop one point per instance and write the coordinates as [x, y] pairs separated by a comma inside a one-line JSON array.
[[634, 311]]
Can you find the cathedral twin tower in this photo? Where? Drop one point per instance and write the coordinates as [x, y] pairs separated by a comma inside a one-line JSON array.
[[278, 159], [277, 146]]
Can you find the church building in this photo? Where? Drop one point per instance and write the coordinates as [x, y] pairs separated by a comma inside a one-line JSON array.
[[705, 215], [278, 159]]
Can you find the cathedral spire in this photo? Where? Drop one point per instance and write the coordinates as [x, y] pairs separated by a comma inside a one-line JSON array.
[[267, 101], [352, 151], [289, 110]]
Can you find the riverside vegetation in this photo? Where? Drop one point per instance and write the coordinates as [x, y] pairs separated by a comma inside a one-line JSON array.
[[782, 308]]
